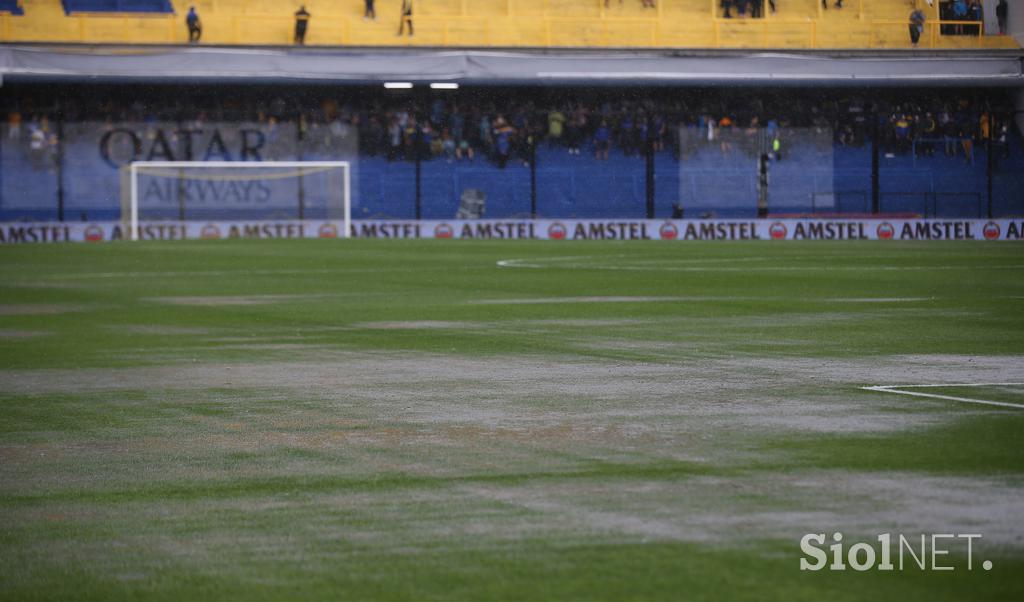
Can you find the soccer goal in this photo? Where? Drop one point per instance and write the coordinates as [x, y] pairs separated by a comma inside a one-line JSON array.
[[235, 191]]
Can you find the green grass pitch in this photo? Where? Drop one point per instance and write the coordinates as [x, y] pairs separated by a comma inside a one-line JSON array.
[[472, 420]]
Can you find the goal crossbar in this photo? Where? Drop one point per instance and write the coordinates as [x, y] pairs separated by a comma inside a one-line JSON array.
[[134, 167]]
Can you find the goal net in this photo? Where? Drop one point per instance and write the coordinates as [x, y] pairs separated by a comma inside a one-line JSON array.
[[235, 191]]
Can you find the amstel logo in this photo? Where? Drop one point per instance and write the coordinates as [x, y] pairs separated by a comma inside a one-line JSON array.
[[443, 231], [556, 231], [668, 231], [777, 231], [885, 231], [209, 231], [328, 231], [94, 234], [991, 231]]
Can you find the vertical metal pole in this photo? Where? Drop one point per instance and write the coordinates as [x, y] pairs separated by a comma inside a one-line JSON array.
[[302, 194], [762, 186], [874, 161], [133, 174], [649, 152], [991, 161], [347, 191], [762, 175], [299, 136], [533, 176], [60, 165], [418, 153], [181, 195]]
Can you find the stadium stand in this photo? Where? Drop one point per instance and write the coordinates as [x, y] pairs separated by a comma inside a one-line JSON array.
[[117, 6], [11, 7], [798, 24], [703, 155]]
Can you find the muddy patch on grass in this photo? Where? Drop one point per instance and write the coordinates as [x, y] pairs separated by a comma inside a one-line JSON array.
[[440, 416], [159, 330], [270, 346], [575, 300], [420, 325], [723, 511], [11, 333], [586, 323], [505, 325], [215, 301], [43, 284], [406, 451], [879, 299], [380, 375], [39, 309], [515, 390], [637, 345], [900, 369]]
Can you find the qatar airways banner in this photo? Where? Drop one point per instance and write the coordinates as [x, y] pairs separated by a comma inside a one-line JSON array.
[[539, 229]]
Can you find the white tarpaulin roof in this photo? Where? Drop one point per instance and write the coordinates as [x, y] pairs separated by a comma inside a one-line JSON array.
[[562, 67]]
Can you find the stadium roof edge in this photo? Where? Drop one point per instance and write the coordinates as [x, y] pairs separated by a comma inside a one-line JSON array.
[[554, 67]]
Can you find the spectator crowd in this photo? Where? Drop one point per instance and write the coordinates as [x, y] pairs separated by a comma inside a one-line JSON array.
[[505, 126]]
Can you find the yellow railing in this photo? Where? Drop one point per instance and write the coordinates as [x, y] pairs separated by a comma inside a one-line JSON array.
[[886, 34], [524, 30], [765, 33]]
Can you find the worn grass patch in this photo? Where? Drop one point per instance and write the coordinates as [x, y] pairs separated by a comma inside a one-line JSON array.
[[472, 420]]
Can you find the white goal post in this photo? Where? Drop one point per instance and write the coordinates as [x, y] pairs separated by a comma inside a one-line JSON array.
[[330, 195]]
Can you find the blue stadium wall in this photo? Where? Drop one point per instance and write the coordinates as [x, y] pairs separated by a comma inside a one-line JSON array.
[[73, 173]]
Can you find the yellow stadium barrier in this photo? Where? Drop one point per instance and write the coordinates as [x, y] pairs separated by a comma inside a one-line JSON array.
[[800, 24]]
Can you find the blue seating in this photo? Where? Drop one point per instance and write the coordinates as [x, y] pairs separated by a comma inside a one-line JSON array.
[[579, 186], [11, 6], [117, 6]]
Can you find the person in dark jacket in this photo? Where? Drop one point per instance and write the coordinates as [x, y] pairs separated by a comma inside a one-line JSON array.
[[301, 23], [406, 17], [195, 26], [974, 13], [1001, 16], [916, 27]]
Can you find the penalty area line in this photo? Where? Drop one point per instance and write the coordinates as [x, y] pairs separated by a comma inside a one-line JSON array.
[[898, 390]]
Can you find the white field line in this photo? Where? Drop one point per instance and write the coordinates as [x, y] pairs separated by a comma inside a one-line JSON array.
[[200, 273], [686, 299], [609, 299], [552, 263], [898, 390]]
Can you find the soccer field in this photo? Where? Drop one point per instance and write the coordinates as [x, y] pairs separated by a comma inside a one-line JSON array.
[[472, 420]]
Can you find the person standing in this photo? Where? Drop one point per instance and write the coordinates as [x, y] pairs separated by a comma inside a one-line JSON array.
[[959, 14], [1001, 16], [916, 26], [502, 141], [556, 125], [974, 13], [406, 17], [602, 141], [195, 26], [369, 12], [929, 129], [301, 23]]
